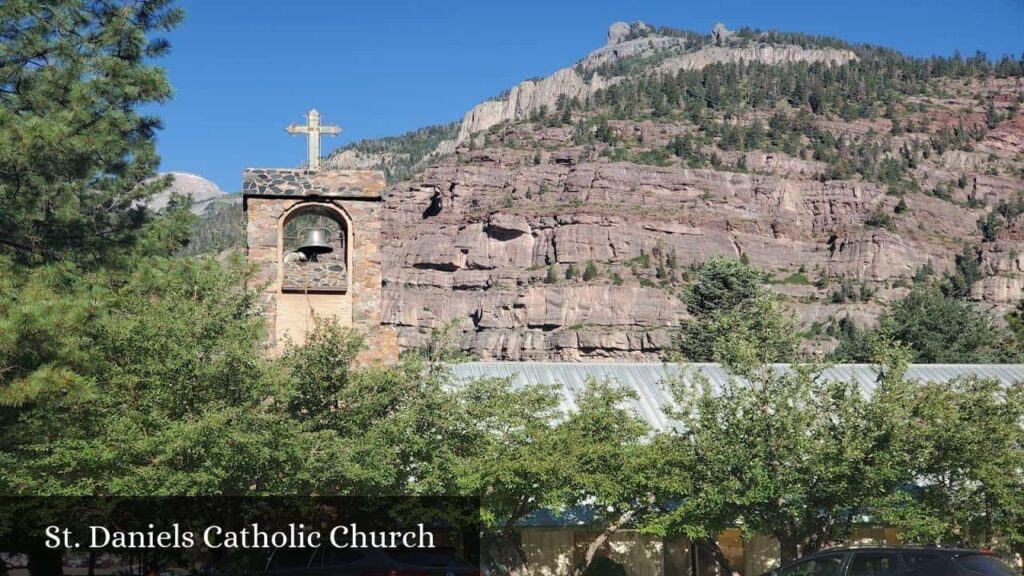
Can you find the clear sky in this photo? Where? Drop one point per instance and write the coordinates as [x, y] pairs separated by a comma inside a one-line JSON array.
[[244, 69]]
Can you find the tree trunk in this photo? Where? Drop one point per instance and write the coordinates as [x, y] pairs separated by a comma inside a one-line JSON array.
[[505, 556], [602, 539], [720, 558]]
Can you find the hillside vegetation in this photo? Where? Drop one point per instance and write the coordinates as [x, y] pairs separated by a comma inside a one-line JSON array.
[[571, 224]]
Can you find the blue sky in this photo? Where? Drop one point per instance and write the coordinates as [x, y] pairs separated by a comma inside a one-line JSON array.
[[244, 69]]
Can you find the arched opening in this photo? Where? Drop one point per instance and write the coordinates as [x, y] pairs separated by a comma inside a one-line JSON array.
[[314, 249]]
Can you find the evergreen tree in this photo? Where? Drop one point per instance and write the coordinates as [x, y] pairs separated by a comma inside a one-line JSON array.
[[571, 272], [76, 153], [936, 328], [551, 277], [736, 319]]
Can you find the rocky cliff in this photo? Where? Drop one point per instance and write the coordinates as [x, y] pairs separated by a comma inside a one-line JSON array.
[[202, 191], [567, 219], [597, 72]]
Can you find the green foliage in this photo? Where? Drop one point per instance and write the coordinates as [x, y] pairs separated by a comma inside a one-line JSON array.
[[901, 206], [879, 219], [220, 228], [522, 456], [123, 371], [756, 332], [551, 277], [604, 133], [723, 284], [75, 152], [962, 442], [736, 319], [967, 272], [1000, 217], [656, 157], [370, 427], [796, 279], [401, 157], [139, 395], [791, 454], [856, 90], [937, 329]]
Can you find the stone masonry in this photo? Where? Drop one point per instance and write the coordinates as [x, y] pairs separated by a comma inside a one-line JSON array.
[[270, 196]]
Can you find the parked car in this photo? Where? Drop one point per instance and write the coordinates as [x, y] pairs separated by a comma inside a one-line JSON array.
[[329, 561], [901, 561]]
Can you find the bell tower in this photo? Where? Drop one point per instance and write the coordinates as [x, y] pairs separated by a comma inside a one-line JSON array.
[[314, 236]]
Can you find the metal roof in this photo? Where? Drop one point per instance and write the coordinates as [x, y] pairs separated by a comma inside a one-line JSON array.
[[653, 397]]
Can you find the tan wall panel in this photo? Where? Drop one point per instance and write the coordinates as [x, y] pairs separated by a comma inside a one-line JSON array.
[[295, 313], [761, 554], [677, 557], [549, 551], [731, 543], [641, 554]]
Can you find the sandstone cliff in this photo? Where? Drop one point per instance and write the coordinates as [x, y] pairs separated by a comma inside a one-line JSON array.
[[548, 229], [595, 71]]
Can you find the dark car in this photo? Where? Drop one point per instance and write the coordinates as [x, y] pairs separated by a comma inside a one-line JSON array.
[[329, 561], [888, 561]]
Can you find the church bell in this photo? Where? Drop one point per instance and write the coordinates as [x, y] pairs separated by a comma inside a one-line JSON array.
[[315, 243]]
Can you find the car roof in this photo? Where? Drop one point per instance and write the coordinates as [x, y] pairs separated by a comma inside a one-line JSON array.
[[934, 549]]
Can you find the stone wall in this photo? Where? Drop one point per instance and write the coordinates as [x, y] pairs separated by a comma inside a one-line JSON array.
[[327, 274], [297, 182], [270, 196]]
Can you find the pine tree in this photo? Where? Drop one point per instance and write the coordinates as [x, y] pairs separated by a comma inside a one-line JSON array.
[[901, 206], [76, 152], [551, 277], [571, 272]]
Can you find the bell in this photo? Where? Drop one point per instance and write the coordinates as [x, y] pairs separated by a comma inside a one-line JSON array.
[[315, 243]]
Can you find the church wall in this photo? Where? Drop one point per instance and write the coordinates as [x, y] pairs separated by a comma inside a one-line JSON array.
[[270, 195]]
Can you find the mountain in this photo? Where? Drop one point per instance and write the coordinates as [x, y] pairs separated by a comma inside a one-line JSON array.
[[221, 223], [203, 192], [563, 218], [399, 157]]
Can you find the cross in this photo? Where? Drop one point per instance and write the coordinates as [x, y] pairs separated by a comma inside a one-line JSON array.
[[314, 130]]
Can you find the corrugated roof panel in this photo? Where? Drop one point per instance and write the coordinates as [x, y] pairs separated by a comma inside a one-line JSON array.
[[654, 400]]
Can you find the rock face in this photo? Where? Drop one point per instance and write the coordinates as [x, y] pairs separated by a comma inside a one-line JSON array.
[[720, 34], [200, 189], [528, 97], [536, 239], [457, 250], [624, 42], [554, 251], [618, 33]]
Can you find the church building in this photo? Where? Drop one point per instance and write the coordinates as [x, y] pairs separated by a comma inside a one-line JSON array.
[[315, 237]]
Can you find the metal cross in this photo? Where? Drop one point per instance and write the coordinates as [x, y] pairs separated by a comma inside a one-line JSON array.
[[313, 129]]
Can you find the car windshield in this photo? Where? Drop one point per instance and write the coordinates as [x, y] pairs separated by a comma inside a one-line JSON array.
[[821, 566], [985, 564]]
